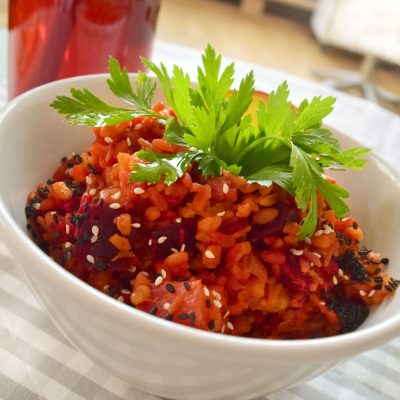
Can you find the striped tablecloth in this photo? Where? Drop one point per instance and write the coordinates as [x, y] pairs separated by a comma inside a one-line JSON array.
[[36, 362]]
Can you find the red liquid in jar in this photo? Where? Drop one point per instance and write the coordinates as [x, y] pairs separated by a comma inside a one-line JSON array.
[[55, 39]]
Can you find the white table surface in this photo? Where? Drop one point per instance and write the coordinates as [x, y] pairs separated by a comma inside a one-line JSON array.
[[36, 362]]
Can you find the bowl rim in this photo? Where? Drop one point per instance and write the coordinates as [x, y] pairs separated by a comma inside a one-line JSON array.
[[368, 336]]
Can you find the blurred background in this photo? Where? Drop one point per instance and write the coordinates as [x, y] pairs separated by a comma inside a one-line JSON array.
[[296, 36]]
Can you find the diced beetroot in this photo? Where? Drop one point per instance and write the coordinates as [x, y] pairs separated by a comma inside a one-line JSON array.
[[291, 273], [176, 235], [101, 250], [233, 225], [286, 214]]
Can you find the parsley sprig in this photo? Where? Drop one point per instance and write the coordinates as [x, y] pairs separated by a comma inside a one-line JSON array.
[[285, 146]]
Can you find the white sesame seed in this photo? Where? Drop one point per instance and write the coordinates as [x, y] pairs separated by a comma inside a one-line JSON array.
[[163, 273], [36, 206], [161, 239], [178, 220], [183, 247], [319, 232], [138, 190], [106, 287], [209, 254], [121, 299], [363, 293], [107, 139], [216, 294], [174, 250], [116, 195], [95, 230], [340, 272], [217, 303], [115, 206], [226, 314], [92, 192], [125, 291], [89, 180], [322, 303], [150, 242], [128, 141], [136, 225], [297, 252], [225, 188], [166, 306], [316, 254], [229, 325], [311, 264], [67, 229], [307, 240], [206, 291], [90, 258], [67, 245], [137, 127], [158, 280], [221, 213], [223, 328], [132, 269], [334, 280], [327, 229], [346, 277], [371, 293], [94, 239], [145, 273]]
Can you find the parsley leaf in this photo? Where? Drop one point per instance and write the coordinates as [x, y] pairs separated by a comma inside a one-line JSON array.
[[168, 167], [85, 108], [284, 146]]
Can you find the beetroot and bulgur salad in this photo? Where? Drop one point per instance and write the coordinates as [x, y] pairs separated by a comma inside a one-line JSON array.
[[199, 213]]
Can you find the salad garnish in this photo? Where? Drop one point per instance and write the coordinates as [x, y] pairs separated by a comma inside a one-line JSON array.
[[283, 145]]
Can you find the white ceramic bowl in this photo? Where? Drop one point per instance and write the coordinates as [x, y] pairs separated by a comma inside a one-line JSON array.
[[152, 354]]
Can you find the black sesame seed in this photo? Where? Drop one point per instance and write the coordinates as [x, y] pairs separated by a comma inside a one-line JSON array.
[[170, 288], [385, 261], [100, 266], [29, 227], [55, 217], [43, 192], [78, 158], [192, 318], [183, 316], [85, 207], [68, 255], [363, 252], [186, 285], [355, 226], [92, 169], [377, 271], [56, 235], [64, 159], [153, 310], [29, 211], [51, 181], [169, 317], [85, 236], [36, 200], [70, 164], [211, 324], [388, 288]]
